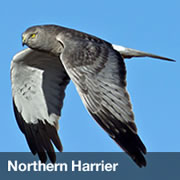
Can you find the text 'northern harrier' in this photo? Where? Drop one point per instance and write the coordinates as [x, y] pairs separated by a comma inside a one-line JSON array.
[[40, 74]]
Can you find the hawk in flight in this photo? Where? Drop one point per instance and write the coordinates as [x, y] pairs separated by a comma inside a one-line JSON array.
[[40, 74]]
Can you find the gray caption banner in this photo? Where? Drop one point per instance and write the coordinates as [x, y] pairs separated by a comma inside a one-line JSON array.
[[164, 166]]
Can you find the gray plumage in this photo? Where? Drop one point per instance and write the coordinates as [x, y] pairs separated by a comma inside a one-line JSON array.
[[41, 73]]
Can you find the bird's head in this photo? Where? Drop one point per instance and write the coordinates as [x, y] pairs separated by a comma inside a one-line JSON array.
[[40, 38], [33, 37]]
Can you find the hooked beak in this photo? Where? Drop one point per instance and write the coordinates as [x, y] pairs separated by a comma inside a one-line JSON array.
[[23, 40]]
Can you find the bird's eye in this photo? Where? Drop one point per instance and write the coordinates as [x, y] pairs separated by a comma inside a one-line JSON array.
[[33, 35]]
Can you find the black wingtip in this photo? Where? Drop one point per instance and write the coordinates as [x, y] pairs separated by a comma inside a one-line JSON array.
[[167, 59], [172, 60], [52, 133], [52, 156], [139, 159], [134, 148], [42, 156], [40, 137]]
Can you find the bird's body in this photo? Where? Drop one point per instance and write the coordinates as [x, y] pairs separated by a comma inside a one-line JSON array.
[[40, 75]]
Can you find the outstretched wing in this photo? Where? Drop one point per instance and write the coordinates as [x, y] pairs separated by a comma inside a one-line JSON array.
[[99, 73], [129, 53], [38, 84]]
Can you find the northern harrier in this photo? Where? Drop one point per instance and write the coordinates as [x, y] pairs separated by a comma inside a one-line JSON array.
[[40, 74]]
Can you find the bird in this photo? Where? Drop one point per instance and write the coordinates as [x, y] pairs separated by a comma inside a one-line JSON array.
[[56, 55]]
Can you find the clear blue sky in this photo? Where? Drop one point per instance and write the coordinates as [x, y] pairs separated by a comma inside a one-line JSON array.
[[154, 85]]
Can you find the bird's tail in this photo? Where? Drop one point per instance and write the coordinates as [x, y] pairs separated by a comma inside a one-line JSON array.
[[129, 53]]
